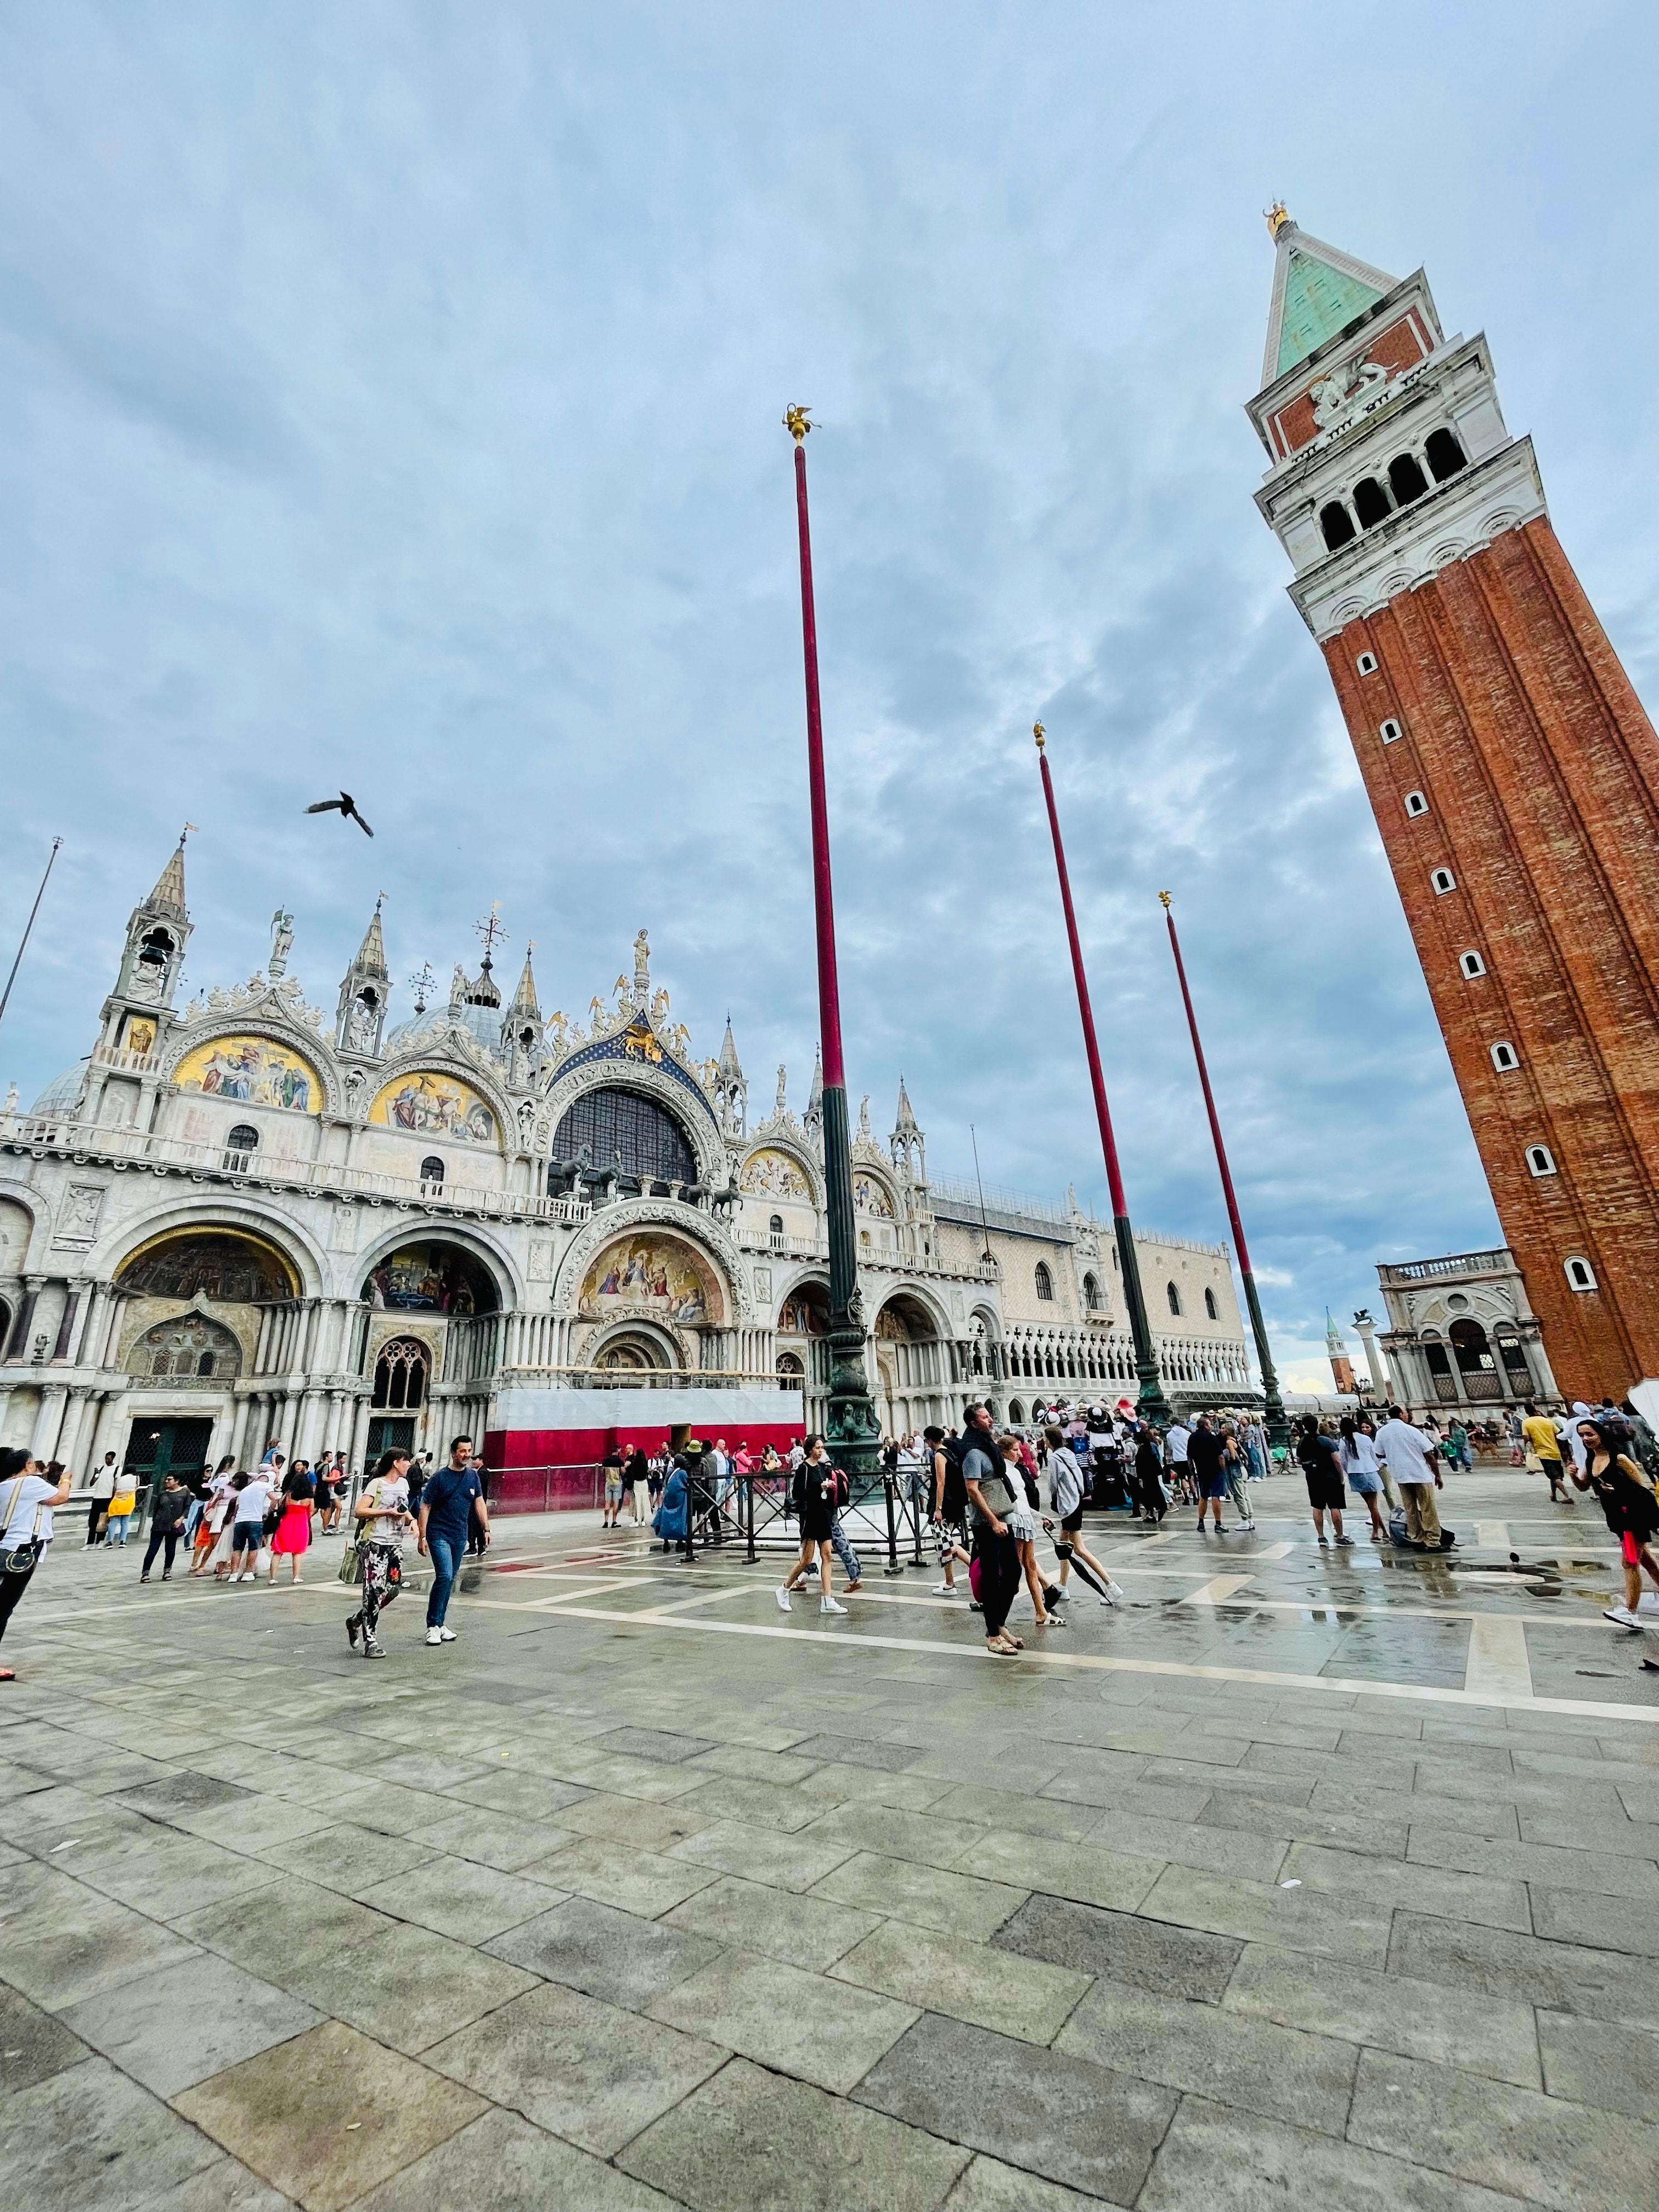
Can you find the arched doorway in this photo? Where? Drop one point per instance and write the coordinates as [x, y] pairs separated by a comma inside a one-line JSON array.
[[909, 1374], [803, 1336], [1477, 1367], [454, 1300], [613, 1131]]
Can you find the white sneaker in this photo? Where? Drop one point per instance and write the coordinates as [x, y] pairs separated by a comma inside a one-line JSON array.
[[782, 1597], [1622, 1615], [829, 1605], [435, 1635], [445, 1636], [944, 1589], [246, 1575]]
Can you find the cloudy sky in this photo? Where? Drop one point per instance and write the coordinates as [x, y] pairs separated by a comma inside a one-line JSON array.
[[393, 399]]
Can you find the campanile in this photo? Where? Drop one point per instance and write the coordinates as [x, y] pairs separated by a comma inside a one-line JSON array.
[[1514, 776]]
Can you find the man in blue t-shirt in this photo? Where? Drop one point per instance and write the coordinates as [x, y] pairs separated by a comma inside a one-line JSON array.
[[446, 1506]]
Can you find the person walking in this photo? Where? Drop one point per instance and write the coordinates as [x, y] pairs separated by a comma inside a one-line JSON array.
[[103, 1489], [990, 1497], [815, 1501], [1149, 1473], [248, 1531], [636, 1478], [1321, 1464], [1236, 1467], [448, 1503], [1207, 1456], [1405, 1451], [1359, 1455], [382, 1508], [166, 1524], [1628, 1501], [1066, 1496], [839, 1537], [672, 1519], [122, 1506], [949, 1516], [291, 1538], [1176, 1445], [1542, 1439], [1021, 1519], [26, 1503]]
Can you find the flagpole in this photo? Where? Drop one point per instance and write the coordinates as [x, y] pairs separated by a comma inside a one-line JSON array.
[[1152, 1405], [29, 928], [1278, 1427], [852, 1427]]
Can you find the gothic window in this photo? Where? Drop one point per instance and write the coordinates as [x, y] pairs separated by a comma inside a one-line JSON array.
[[1504, 1057], [1337, 523], [1540, 1159], [1366, 664], [432, 1169], [790, 1370], [1174, 1296], [626, 1130], [1370, 502], [1471, 965], [1388, 731], [1211, 1307], [1416, 803], [191, 1348], [1045, 1281], [1406, 480], [1090, 1294], [155, 952], [242, 1141], [1444, 881], [400, 1375], [775, 1227], [1580, 1275], [1443, 454]]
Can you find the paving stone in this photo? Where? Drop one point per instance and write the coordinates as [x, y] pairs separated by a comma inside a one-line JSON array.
[[910, 1791], [401, 1984], [419, 1770], [609, 1955], [856, 1751], [176, 2028], [1241, 1851], [327, 2117], [988, 2185], [1609, 1873], [63, 1941], [1555, 2153], [1611, 1923], [1285, 2072], [1350, 1794], [1062, 2117], [343, 1859], [1299, 1919], [501, 1840], [502, 2162], [1024, 1814], [1599, 2065], [1307, 1824], [183, 1792], [798, 2023], [955, 1903], [225, 2186], [89, 2140], [34, 2044], [1621, 1836], [762, 1855], [748, 2141], [897, 1834], [646, 1883], [641, 1826], [1000, 1990], [808, 1931], [585, 2070], [1568, 1978], [171, 1873], [1226, 2160], [652, 1743], [749, 1763], [1147, 1953], [1418, 2020], [457, 1898], [253, 1823], [530, 1797], [1088, 1872], [1421, 1887]]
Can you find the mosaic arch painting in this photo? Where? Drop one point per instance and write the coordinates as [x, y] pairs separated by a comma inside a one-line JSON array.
[[773, 1174], [655, 1276], [871, 1197], [427, 1105], [251, 1071]]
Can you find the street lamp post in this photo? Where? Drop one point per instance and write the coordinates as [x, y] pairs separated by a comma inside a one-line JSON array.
[[1278, 1427], [852, 1428], [1152, 1405]]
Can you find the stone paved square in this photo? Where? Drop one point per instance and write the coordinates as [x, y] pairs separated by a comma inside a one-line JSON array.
[[1280, 1896]]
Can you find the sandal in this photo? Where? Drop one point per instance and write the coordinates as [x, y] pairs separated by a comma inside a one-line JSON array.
[[1000, 1648]]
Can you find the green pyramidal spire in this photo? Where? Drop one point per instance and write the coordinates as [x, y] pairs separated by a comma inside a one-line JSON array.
[[1317, 291]]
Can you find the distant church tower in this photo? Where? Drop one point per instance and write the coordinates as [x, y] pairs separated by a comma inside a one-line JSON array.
[[1337, 1352], [360, 1019], [1513, 773], [139, 1011]]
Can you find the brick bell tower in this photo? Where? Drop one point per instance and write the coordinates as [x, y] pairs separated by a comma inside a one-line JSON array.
[[1511, 768]]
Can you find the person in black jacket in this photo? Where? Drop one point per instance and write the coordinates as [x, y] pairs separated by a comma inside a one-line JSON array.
[[1149, 1473], [1321, 1465], [165, 1524]]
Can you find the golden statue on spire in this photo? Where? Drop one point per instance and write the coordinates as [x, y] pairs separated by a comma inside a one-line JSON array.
[[1039, 733], [797, 421], [1277, 215]]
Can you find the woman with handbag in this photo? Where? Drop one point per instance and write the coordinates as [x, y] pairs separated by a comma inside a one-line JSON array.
[[383, 1521], [27, 1499]]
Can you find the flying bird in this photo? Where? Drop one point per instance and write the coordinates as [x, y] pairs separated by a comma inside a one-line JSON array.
[[346, 806]]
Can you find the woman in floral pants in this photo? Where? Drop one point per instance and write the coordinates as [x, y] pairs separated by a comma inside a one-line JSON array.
[[383, 1511]]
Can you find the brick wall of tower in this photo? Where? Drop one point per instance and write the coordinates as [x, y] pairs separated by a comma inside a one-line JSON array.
[[1542, 773]]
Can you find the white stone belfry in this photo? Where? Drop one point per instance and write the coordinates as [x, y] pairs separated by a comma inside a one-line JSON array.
[[360, 1019]]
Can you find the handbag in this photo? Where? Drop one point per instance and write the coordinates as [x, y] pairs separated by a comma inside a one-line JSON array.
[[20, 1559]]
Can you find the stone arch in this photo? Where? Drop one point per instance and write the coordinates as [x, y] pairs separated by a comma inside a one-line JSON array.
[[420, 1099], [797, 1156], [637, 1346], [685, 1223], [308, 1263], [17, 1234], [264, 1025], [675, 1093], [193, 1347], [230, 1260], [411, 1229]]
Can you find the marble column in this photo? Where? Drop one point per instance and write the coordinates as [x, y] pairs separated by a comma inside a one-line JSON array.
[[49, 1421], [72, 1298], [75, 1421]]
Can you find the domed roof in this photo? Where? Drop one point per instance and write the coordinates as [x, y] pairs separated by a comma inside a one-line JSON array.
[[64, 1092], [481, 1023]]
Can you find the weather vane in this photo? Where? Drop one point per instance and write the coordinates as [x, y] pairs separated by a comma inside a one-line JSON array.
[[423, 985], [491, 931], [797, 421]]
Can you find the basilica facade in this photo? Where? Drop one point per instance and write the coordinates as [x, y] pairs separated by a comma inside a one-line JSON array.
[[244, 1218]]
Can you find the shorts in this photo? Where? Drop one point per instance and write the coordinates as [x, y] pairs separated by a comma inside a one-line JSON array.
[[248, 1536], [1073, 1521], [1215, 1486], [1364, 1484], [1325, 1490], [612, 1489]]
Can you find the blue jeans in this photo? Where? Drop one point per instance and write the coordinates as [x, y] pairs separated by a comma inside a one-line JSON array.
[[844, 1551], [446, 1553]]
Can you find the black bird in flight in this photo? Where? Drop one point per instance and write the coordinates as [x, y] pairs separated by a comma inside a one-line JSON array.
[[346, 806]]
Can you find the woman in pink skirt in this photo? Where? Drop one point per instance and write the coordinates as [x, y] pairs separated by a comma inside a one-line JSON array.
[[293, 1537]]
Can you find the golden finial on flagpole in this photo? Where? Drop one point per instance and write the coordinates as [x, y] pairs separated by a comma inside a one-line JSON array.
[[1163, 901], [1039, 733], [797, 421]]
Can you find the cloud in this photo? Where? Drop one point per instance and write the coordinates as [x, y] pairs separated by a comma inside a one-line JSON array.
[[395, 403]]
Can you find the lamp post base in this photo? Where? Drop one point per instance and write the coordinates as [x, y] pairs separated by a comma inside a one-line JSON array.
[[852, 1428]]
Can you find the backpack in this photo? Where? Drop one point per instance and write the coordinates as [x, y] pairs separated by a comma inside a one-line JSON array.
[[955, 1508]]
